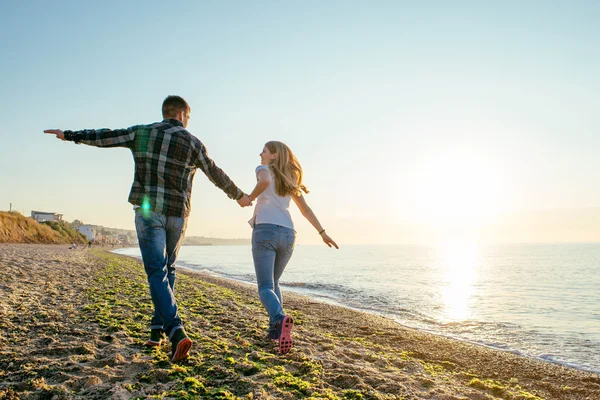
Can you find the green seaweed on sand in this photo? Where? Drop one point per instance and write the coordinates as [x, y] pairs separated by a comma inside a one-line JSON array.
[[339, 354]]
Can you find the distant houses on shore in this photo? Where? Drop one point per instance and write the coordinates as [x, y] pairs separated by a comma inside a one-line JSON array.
[[88, 230], [95, 236], [42, 216], [91, 232]]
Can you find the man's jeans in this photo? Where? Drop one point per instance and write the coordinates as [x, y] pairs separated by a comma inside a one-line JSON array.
[[160, 237], [272, 248]]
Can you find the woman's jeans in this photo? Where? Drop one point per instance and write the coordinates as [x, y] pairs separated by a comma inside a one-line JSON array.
[[272, 248], [159, 238]]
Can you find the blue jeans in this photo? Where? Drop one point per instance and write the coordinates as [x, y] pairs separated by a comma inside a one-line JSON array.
[[160, 238], [272, 248]]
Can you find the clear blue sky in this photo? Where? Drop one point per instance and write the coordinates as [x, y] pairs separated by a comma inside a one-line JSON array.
[[408, 117]]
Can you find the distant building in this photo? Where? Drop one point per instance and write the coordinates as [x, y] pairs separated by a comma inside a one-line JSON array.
[[88, 230], [123, 239], [41, 216]]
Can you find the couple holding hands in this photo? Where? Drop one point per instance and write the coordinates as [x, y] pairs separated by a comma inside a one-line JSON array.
[[166, 158]]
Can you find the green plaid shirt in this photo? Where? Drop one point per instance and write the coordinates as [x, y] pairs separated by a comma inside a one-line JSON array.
[[166, 158]]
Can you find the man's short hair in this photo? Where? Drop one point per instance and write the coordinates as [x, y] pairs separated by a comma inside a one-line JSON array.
[[173, 105]]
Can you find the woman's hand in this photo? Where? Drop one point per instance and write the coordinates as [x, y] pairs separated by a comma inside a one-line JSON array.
[[329, 241]]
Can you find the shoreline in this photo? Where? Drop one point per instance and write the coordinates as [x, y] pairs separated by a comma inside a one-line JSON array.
[[72, 325], [333, 302]]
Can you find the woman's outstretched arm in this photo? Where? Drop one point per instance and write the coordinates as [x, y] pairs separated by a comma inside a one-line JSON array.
[[312, 218]]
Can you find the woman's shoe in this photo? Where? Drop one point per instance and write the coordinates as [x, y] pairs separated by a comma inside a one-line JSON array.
[[274, 332], [285, 337]]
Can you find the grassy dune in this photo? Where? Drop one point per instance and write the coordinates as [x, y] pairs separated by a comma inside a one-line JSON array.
[[73, 323], [16, 228]]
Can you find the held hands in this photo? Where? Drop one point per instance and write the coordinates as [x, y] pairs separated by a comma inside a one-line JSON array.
[[328, 241], [59, 134], [244, 201]]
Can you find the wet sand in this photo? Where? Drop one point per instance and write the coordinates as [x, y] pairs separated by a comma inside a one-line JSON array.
[[72, 325]]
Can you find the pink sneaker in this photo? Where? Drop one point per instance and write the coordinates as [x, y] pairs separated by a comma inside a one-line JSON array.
[[285, 338]]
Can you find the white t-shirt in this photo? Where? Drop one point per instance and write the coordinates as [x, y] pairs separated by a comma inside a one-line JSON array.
[[272, 208]]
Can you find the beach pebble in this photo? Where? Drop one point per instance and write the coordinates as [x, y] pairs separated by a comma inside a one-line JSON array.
[[92, 381], [119, 359]]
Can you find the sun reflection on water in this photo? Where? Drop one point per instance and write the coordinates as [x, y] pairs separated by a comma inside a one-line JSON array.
[[458, 260]]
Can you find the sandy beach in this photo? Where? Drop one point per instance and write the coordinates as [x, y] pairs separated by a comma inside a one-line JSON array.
[[72, 325]]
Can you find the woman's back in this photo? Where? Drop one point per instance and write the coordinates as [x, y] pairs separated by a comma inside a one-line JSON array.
[[272, 208]]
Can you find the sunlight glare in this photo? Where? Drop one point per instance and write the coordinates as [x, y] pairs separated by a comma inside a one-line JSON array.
[[459, 259]]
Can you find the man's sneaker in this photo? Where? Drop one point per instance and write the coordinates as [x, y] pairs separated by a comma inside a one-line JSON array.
[[180, 345], [285, 338], [156, 338]]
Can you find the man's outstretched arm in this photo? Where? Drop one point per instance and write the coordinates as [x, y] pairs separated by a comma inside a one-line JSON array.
[[97, 137]]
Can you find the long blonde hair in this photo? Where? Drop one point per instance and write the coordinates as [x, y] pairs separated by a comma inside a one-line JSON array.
[[287, 170]]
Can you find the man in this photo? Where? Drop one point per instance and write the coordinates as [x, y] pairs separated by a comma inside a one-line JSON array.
[[166, 157]]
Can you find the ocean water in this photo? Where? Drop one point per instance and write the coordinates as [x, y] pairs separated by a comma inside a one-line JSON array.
[[540, 301]]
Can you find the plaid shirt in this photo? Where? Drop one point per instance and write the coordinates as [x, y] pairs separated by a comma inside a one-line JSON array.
[[166, 157]]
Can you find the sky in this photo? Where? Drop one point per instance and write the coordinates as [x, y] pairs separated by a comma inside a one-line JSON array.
[[415, 122]]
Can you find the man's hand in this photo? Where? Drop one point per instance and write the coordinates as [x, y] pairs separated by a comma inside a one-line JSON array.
[[245, 201], [59, 134]]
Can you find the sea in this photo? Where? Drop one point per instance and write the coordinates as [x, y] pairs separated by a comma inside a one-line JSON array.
[[536, 300]]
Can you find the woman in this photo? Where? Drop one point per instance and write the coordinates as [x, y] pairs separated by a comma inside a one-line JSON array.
[[279, 180]]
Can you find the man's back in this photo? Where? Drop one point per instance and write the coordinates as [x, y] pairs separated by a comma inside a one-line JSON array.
[[166, 158]]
